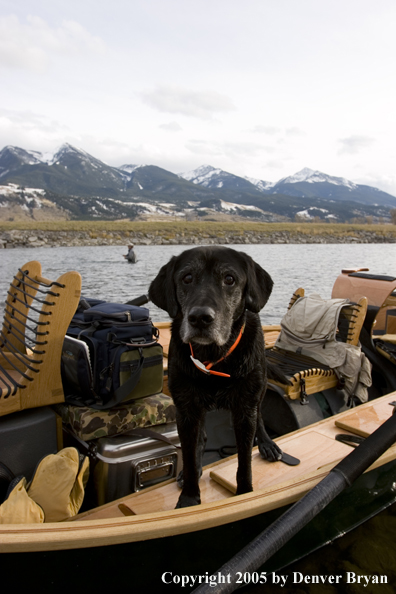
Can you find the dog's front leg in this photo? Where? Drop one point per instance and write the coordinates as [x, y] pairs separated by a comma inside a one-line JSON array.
[[192, 438], [267, 448], [202, 439], [245, 429]]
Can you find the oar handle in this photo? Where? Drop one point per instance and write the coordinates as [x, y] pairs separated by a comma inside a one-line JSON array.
[[138, 300]]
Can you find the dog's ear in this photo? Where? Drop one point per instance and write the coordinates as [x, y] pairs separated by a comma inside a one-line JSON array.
[[162, 291], [258, 287]]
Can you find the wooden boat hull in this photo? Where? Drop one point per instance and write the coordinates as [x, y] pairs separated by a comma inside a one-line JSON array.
[[153, 562], [146, 515], [108, 548]]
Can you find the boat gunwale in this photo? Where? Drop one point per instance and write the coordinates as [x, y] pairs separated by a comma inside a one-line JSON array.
[[165, 521]]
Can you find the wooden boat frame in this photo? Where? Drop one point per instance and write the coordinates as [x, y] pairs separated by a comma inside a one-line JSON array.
[[89, 535], [106, 529]]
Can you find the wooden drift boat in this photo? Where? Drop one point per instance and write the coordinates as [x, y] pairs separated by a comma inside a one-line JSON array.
[[143, 536], [142, 541]]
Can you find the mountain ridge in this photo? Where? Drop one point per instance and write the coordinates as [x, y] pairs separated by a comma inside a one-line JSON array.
[[89, 188]]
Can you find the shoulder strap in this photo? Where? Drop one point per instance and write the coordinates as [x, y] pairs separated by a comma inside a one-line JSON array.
[[125, 389], [145, 432]]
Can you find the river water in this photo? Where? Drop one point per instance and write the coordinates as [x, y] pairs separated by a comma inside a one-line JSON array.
[[370, 549], [107, 275]]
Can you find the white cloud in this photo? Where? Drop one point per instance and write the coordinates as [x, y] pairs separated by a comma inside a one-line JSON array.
[[294, 131], [386, 183], [30, 45], [31, 130], [354, 144], [273, 165], [270, 130], [231, 149], [198, 104], [202, 147], [171, 127]]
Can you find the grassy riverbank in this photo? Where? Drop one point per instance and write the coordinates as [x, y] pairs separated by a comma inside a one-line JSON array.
[[206, 228]]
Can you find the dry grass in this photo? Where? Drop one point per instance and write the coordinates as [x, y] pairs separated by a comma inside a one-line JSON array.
[[211, 229]]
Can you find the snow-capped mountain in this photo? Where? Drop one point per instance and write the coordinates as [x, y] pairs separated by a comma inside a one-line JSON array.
[[213, 178], [260, 184], [67, 171], [312, 177], [17, 156], [12, 157], [306, 183], [86, 187], [202, 175], [129, 169], [309, 184]]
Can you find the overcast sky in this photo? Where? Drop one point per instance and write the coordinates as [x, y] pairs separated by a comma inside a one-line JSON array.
[[259, 88]]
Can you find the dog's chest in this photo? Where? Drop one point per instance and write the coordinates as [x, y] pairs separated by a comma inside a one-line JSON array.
[[189, 385], [211, 396]]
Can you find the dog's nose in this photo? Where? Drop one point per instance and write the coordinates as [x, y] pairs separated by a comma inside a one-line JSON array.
[[201, 317]]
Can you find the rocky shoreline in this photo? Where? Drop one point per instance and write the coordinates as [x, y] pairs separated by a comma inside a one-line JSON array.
[[39, 238]]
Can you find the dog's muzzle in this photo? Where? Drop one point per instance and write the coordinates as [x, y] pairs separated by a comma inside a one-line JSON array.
[[203, 325], [201, 317]]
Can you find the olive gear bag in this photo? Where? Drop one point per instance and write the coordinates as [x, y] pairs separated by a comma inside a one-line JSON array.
[[110, 355]]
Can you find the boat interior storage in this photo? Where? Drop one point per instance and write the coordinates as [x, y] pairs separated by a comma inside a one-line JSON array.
[[122, 461]]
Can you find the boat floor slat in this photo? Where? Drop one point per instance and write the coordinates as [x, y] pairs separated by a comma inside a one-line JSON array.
[[146, 502], [313, 449], [364, 422]]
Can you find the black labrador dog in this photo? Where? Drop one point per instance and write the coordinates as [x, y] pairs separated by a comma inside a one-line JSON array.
[[216, 354]]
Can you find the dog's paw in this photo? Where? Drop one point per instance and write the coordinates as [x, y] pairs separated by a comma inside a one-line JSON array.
[[187, 501], [270, 451]]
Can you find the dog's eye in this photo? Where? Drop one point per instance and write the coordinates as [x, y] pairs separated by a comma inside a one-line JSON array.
[[187, 279], [229, 279]]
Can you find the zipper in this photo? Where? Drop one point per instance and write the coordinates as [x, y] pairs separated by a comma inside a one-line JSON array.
[[101, 316], [148, 362]]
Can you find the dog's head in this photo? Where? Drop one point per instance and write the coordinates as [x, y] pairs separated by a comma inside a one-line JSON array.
[[210, 287]]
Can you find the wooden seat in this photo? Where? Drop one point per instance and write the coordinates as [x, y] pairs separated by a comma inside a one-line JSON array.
[[380, 291], [306, 375], [37, 314]]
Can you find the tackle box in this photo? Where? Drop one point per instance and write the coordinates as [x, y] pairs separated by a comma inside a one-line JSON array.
[[129, 462]]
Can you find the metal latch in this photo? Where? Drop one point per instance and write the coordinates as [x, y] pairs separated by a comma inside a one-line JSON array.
[[303, 394]]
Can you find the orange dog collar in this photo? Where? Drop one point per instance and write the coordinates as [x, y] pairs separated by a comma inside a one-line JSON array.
[[206, 367]]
